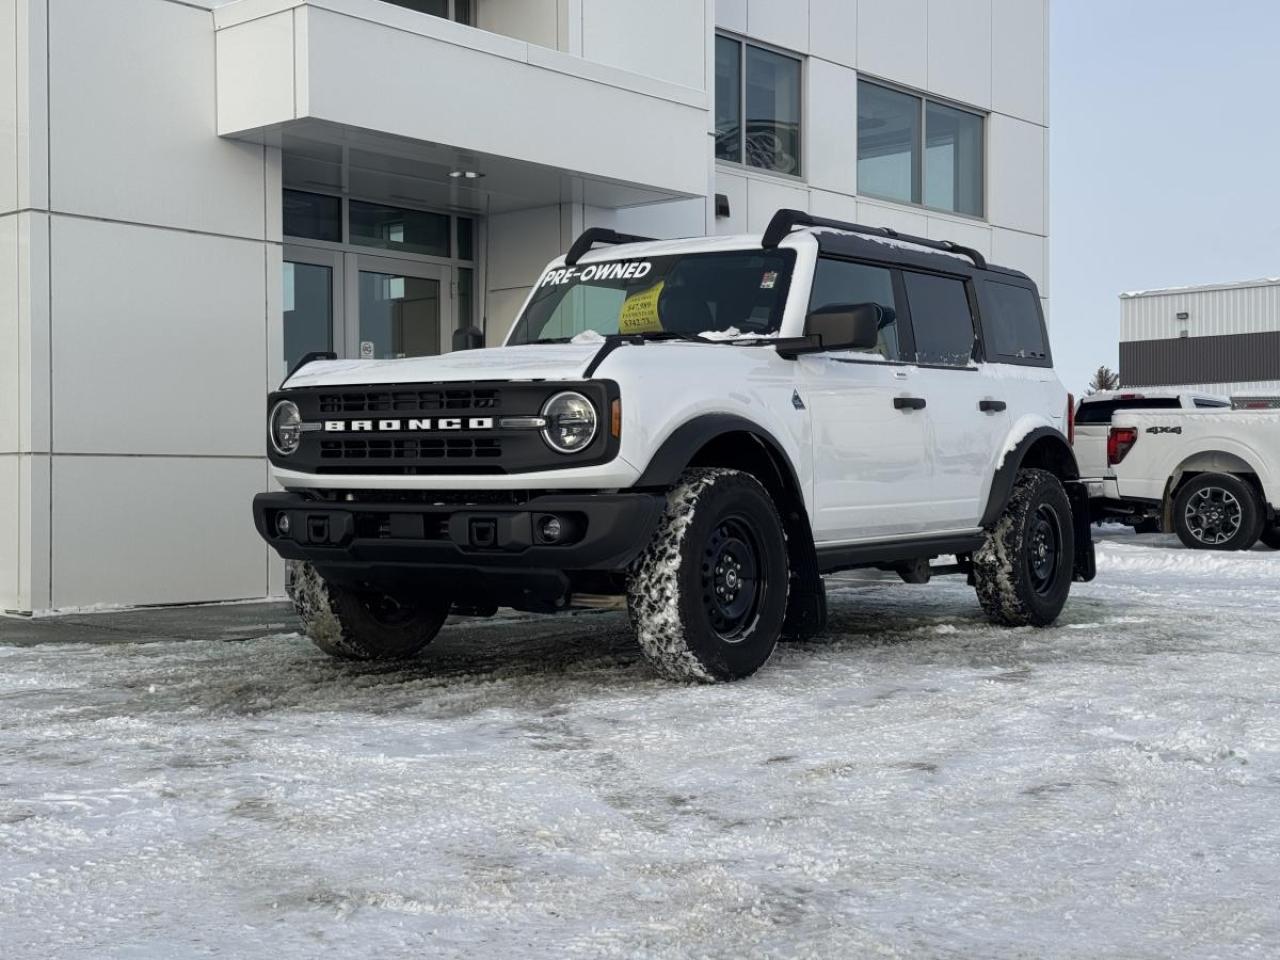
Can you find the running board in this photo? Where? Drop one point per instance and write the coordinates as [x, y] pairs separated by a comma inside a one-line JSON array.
[[832, 559]]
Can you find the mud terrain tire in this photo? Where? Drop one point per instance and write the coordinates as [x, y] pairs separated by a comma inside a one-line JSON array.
[[357, 626], [1024, 569], [708, 595]]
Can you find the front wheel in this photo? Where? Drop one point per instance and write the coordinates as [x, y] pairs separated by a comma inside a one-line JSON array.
[[1217, 511], [1024, 569], [708, 596], [356, 625]]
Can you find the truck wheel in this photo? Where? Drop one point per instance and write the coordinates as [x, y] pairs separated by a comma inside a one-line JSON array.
[[1023, 571], [1271, 537], [1148, 525], [1217, 511], [708, 595], [362, 626]]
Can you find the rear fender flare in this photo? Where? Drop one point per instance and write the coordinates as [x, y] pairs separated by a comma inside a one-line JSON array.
[[1043, 447]]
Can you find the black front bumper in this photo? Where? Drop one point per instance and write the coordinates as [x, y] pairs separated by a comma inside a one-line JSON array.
[[477, 549]]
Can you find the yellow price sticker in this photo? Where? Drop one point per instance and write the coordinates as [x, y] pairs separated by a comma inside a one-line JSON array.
[[639, 312]]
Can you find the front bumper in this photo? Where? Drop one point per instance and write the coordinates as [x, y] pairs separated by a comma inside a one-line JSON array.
[[375, 540]]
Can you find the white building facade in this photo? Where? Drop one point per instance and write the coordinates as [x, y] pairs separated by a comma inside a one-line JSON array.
[[1218, 338], [194, 193]]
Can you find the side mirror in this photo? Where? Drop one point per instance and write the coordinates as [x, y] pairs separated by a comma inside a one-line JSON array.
[[847, 326], [468, 338]]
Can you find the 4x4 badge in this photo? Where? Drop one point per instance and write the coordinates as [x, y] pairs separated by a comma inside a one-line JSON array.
[[796, 401]]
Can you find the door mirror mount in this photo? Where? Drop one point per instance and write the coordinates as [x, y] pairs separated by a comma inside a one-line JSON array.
[[468, 338]]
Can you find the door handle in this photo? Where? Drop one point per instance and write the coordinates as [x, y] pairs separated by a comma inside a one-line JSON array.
[[992, 406], [909, 403]]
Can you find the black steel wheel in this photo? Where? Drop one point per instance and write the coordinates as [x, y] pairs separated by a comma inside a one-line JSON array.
[[733, 580], [1217, 511], [1044, 557]]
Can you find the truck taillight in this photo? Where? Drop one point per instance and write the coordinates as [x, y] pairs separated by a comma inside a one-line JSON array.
[[1071, 419], [1119, 442]]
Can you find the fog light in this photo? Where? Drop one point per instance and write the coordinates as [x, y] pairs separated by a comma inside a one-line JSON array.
[[552, 529], [282, 524]]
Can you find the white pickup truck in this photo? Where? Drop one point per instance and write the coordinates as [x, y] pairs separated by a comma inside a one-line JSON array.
[[1211, 475]]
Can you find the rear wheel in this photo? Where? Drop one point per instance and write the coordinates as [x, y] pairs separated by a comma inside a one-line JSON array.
[[1024, 569], [363, 625], [1271, 537], [708, 596], [1217, 511]]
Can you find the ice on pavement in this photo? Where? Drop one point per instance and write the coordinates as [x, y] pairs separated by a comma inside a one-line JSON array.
[[914, 784]]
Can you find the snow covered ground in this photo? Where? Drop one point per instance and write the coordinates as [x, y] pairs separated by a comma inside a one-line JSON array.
[[917, 784]]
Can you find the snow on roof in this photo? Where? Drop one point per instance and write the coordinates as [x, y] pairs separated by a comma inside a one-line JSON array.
[[1202, 288]]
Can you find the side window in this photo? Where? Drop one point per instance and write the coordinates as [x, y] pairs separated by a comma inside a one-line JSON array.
[[1011, 319], [839, 282], [1211, 404], [940, 319]]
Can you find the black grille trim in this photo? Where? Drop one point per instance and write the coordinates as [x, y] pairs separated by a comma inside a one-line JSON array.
[[442, 400], [473, 440]]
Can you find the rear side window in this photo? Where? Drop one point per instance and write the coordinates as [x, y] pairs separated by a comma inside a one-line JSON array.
[[838, 282], [941, 320], [1011, 321], [1103, 410], [1211, 404]]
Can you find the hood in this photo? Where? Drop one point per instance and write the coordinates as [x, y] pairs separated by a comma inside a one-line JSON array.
[[538, 362]]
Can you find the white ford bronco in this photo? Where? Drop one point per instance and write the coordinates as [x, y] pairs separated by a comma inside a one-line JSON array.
[[703, 426]]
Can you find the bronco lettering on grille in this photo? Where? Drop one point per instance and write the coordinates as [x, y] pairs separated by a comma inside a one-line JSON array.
[[408, 426]]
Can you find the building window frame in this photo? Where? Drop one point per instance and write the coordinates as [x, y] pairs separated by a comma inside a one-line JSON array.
[[333, 253], [920, 163], [742, 164], [460, 11]]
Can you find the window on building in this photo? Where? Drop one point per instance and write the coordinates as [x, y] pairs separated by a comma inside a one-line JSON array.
[[392, 228], [758, 105], [838, 282], [1012, 324], [914, 150], [308, 310], [728, 99], [312, 216], [941, 320], [459, 10]]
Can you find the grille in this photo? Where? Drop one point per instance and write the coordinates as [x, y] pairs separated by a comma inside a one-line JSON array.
[[418, 448], [409, 401]]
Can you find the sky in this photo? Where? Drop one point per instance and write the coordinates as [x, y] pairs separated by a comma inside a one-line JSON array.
[[1164, 158]]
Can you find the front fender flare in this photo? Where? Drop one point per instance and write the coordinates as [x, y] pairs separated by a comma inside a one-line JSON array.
[[676, 452]]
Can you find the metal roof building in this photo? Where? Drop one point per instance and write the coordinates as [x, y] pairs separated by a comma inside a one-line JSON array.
[[1219, 338]]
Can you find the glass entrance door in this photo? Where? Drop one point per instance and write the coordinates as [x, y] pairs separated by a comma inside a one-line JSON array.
[[398, 307]]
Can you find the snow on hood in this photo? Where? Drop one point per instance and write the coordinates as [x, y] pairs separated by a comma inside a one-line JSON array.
[[534, 362]]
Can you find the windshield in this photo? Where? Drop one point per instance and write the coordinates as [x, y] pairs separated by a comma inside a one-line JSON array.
[[682, 295]]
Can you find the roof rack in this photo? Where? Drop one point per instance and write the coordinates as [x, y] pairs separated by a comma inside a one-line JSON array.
[[785, 220], [596, 235]]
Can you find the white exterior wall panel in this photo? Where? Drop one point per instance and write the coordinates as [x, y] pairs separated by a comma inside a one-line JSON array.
[[1217, 311], [8, 106]]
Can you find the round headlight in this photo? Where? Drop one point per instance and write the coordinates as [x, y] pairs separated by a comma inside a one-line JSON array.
[[571, 422], [285, 427]]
